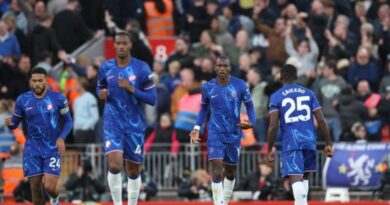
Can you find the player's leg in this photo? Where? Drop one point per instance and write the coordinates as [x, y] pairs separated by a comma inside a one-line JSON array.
[[309, 157], [52, 171], [33, 169], [114, 177], [231, 160], [36, 191], [292, 166], [50, 183], [216, 184], [114, 153], [134, 156], [133, 171]]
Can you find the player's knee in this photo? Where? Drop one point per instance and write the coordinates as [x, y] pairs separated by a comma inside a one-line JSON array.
[[50, 188], [217, 174], [230, 174], [115, 168]]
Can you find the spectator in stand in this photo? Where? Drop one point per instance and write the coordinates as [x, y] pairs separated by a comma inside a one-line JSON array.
[[244, 64], [307, 52], [198, 188], [159, 21], [363, 69], [21, 75], [44, 39], [205, 71], [260, 182], [70, 28], [163, 139], [181, 54], [257, 87], [12, 29], [329, 90], [384, 87], [262, 11], [93, 14], [382, 21], [197, 20], [85, 113], [339, 45], [173, 78], [219, 28], [351, 111], [260, 61], [206, 47], [9, 45], [15, 10], [12, 172], [83, 184], [358, 18], [7, 88], [187, 83], [276, 50], [359, 133], [241, 45], [363, 91]]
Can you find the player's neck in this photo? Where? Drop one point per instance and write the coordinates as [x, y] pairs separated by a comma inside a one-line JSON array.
[[223, 81], [43, 94], [288, 82], [121, 62]]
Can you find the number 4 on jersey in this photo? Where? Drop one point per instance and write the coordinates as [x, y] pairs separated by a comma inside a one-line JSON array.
[[296, 106], [138, 150]]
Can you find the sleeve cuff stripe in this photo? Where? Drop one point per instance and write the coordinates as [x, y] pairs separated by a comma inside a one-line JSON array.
[[16, 115], [150, 87]]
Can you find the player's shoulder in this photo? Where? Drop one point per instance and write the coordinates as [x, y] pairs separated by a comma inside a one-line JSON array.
[[211, 83], [237, 81], [55, 94], [107, 64], [25, 96]]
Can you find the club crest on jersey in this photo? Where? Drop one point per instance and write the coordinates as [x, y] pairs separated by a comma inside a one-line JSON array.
[[108, 144], [49, 107], [132, 78], [233, 94]]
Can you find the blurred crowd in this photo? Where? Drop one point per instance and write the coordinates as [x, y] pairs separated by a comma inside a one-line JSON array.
[[340, 47]]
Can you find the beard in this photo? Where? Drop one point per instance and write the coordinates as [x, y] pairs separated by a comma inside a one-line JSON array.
[[39, 91]]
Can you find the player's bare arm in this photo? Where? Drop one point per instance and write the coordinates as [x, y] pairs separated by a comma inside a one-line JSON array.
[[272, 131], [325, 132], [61, 146]]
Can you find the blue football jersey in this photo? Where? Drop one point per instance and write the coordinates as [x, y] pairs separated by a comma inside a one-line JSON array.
[[225, 104], [123, 110], [296, 106], [41, 117]]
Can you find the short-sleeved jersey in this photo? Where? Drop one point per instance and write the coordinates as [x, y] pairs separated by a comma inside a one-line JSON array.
[[41, 118], [296, 106], [123, 110], [224, 104]]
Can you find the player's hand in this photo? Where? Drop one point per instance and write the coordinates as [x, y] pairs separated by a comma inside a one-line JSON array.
[[271, 156], [245, 124], [328, 150], [103, 94], [8, 121], [195, 136], [123, 83], [61, 146]]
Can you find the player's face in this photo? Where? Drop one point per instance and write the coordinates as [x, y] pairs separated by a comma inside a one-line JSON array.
[[38, 83], [222, 68], [122, 46]]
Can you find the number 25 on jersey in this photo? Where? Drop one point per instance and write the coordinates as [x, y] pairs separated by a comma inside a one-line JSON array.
[[298, 105]]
